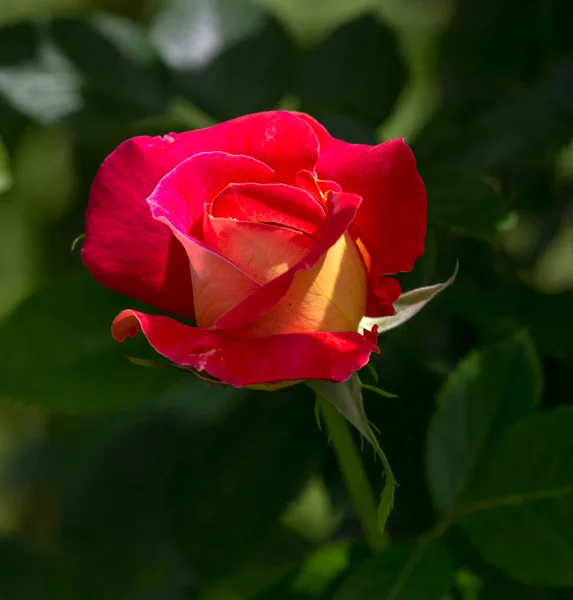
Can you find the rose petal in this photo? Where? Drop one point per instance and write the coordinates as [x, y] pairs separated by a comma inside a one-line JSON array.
[[342, 208], [271, 203], [280, 139], [391, 222], [261, 250], [384, 292], [240, 361], [317, 188], [178, 202], [125, 248], [184, 191], [329, 297], [130, 252]]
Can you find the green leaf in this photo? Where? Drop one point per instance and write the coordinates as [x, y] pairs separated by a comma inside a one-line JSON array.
[[358, 72], [407, 306], [228, 57], [56, 351], [465, 203], [489, 390], [376, 390], [496, 308], [114, 58], [517, 507], [125, 459], [406, 571], [244, 474], [346, 397], [18, 44]]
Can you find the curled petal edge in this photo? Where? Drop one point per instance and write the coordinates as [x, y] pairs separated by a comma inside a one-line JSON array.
[[249, 361]]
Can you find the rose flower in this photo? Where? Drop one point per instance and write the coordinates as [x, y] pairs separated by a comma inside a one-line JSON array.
[[274, 236]]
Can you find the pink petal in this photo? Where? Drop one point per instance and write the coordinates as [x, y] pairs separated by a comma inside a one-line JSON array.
[[249, 361], [178, 202], [271, 203], [342, 209], [183, 193]]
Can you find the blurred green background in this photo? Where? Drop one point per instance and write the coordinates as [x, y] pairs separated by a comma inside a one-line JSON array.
[[120, 482]]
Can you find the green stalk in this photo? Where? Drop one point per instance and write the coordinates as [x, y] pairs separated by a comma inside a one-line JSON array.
[[353, 473]]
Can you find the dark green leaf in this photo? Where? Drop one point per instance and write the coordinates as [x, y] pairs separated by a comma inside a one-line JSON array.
[[490, 390], [464, 203], [114, 522], [517, 507], [519, 130], [227, 56], [358, 72], [18, 44], [114, 57], [502, 308], [56, 351], [406, 571], [500, 41], [229, 491]]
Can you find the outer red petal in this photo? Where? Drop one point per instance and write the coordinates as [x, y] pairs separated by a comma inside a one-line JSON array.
[[342, 211], [391, 222], [272, 203], [125, 248], [280, 139], [240, 361]]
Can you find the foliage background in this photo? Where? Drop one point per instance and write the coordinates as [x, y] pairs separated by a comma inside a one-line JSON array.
[[120, 482]]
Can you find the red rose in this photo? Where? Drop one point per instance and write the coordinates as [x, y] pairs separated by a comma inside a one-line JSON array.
[[276, 237]]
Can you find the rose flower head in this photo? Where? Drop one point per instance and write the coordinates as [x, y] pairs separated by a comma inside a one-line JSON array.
[[274, 236]]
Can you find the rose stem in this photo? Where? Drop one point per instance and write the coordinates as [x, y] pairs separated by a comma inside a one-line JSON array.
[[350, 463]]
